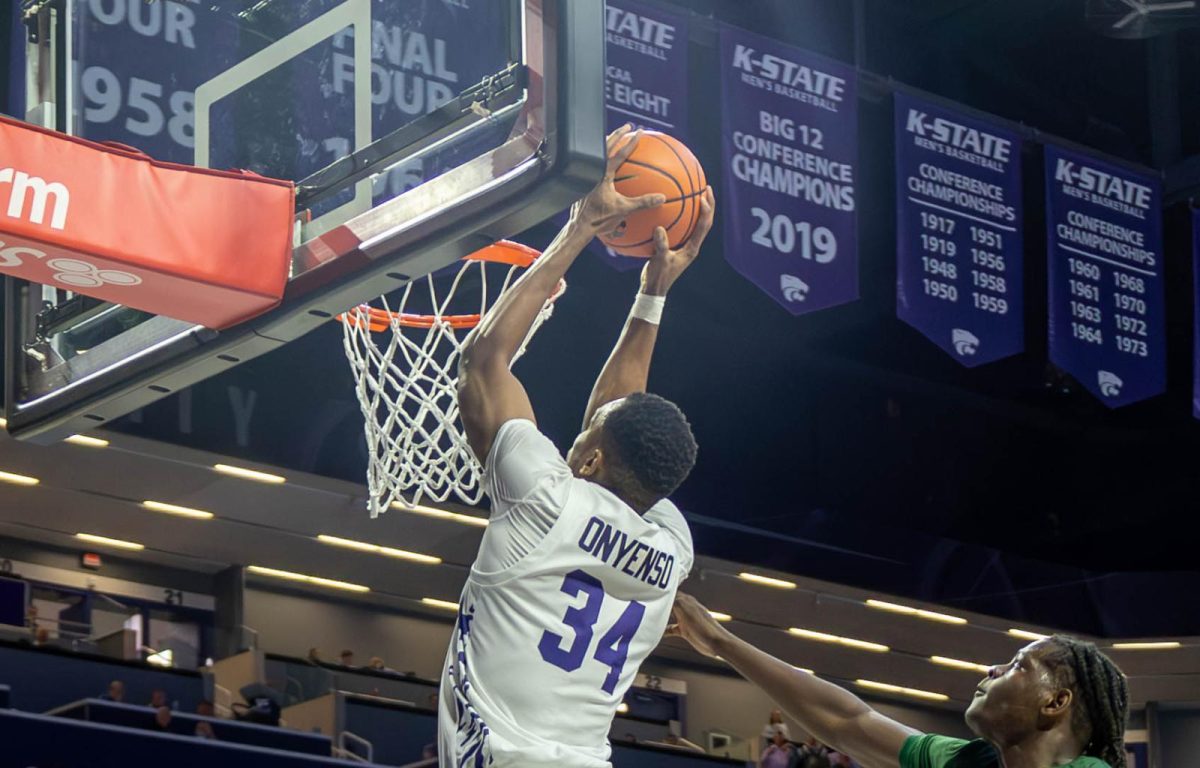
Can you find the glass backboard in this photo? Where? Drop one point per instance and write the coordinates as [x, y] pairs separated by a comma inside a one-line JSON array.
[[416, 132]]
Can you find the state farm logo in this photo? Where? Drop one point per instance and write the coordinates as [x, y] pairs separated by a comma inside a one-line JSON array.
[[41, 195], [72, 273], [81, 274]]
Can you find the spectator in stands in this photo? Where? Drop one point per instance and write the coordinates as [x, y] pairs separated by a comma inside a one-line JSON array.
[[779, 754], [204, 730], [813, 754], [205, 708], [347, 658], [775, 725], [115, 692], [377, 664], [158, 698], [840, 760], [314, 655], [162, 718], [41, 636]]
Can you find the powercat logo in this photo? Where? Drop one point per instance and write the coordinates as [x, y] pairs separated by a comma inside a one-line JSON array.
[[40, 193]]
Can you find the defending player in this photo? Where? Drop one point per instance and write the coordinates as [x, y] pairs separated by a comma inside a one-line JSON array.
[[574, 581], [1060, 703]]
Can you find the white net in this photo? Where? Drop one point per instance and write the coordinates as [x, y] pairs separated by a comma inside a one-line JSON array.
[[406, 368]]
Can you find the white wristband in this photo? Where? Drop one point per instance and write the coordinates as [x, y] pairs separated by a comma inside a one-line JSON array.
[[648, 308]]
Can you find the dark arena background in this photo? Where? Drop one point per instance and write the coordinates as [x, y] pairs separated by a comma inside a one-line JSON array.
[[844, 447]]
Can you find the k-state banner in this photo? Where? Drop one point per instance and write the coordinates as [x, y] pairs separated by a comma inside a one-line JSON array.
[[646, 78], [1107, 313], [959, 228], [790, 143]]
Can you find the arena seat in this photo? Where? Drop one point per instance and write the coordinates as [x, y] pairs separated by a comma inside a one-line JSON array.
[[111, 713], [42, 740], [44, 678]]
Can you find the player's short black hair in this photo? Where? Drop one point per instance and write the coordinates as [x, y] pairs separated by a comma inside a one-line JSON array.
[[653, 445]]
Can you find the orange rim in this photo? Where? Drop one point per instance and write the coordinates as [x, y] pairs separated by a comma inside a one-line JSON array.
[[500, 252]]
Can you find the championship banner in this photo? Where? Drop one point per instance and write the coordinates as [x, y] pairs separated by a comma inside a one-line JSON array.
[[645, 80], [1107, 310], [789, 148], [959, 231], [140, 63]]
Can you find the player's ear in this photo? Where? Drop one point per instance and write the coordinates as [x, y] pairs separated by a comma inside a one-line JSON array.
[[591, 464]]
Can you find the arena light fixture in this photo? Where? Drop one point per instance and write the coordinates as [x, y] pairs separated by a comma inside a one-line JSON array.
[[15, 479], [442, 514], [622, 708], [720, 616], [970, 666], [175, 509], [84, 440], [1162, 645], [766, 581], [918, 612], [3, 422], [446, 604], [162, 658], [249, 474], [107, 542], [849, 642], [305, 578], [1025, 634], [362, 546], [914, 692]]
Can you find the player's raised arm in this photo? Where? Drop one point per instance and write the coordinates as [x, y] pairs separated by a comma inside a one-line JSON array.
[[830, 713], [488, 393], [628, 367]]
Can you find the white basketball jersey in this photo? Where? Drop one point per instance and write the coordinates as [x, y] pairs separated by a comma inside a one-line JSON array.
[[545, 649]]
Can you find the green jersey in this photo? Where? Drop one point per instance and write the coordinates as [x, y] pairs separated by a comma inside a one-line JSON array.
[[933, 751]]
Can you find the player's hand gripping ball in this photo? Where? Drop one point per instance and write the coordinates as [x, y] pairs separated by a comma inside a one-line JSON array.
[[660, 164]]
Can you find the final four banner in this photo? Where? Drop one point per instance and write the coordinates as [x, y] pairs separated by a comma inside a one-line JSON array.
[[959, 236], [1107, 313], [139, 64], [646, 78], [790, 143]]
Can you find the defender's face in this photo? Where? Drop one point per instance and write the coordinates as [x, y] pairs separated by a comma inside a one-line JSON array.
[[1008, 701]]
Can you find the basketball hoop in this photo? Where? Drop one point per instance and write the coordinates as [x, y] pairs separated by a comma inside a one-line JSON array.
[[407, 379]]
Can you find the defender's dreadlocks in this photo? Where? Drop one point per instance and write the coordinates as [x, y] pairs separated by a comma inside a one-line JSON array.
[[1101, 695]]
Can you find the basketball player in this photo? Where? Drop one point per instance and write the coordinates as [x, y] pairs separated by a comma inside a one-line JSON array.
[[574, 581], [1060, 703]]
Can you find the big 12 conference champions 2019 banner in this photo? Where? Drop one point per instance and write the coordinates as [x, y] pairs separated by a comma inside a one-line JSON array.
[[1105, 254], [789, 148], [959, 231]]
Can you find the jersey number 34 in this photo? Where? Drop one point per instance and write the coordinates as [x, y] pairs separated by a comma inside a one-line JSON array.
[[613, 648]]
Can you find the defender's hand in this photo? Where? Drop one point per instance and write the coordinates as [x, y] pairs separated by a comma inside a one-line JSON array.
[[604, 207], [694, 623], [665, 266]]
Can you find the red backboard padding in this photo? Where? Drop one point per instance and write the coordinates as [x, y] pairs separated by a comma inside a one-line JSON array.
[[204, 246]]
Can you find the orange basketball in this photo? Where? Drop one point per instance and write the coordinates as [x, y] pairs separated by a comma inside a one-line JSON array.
[[659, 164]]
